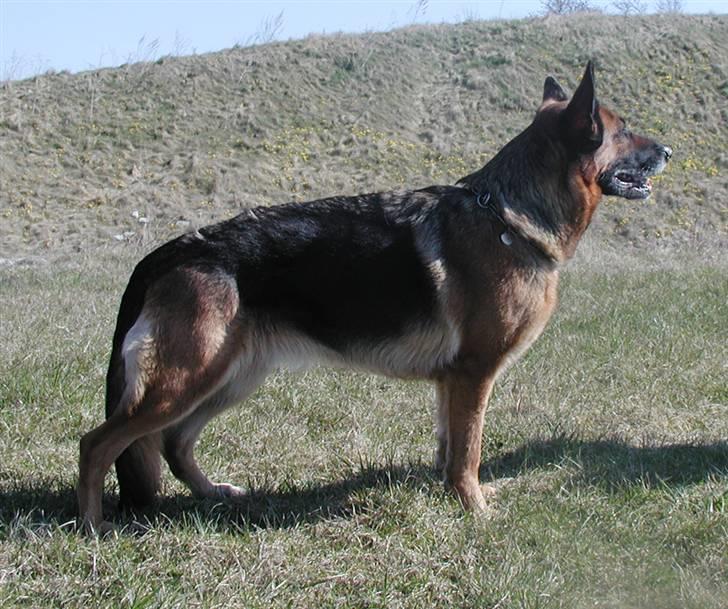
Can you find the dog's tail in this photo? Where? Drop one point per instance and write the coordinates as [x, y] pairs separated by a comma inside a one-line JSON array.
[[138, 468]]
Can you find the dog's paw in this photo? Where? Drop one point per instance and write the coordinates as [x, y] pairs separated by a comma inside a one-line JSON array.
[[101, 529], [489, 490], [469, 495], [224, 490]]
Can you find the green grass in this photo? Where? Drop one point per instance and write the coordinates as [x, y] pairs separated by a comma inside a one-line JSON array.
[[607, 443]]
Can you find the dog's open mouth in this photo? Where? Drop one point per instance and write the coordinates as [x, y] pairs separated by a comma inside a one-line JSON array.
[[630, 177], [633, 185], [629, 183]]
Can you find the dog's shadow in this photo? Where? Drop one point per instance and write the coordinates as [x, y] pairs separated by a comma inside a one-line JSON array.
[[608, 464], [51, 503], [613, 464]]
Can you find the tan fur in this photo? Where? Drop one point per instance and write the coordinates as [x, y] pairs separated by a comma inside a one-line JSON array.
[[140, 356]]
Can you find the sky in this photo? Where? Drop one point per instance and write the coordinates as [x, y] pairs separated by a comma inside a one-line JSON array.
[[41, 35]]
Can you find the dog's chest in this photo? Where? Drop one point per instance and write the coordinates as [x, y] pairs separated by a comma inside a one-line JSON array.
[[529, 310]]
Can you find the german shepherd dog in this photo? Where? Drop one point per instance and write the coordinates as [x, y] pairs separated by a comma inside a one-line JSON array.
[[447, 283]]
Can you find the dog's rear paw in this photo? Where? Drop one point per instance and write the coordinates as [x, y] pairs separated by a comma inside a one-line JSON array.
[[102, 529], [228, 491]]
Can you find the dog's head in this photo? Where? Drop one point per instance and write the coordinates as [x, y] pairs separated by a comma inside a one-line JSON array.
[[601, 148]]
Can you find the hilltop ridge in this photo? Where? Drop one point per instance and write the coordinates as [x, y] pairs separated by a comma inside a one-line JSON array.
[[142, 152]]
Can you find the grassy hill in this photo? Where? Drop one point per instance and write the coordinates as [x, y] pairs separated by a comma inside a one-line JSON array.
[[142, 152]]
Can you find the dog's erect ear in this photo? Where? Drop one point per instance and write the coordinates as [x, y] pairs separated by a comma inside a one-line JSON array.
[[552, 90], [581, 116]]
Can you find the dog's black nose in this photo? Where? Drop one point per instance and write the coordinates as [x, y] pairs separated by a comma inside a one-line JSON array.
[[667, 151]]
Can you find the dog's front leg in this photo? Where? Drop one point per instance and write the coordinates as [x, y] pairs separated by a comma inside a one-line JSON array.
[[466, 396], [441, 426]]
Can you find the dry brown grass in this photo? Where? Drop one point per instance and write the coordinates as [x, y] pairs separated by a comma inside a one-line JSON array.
[[185, 141]]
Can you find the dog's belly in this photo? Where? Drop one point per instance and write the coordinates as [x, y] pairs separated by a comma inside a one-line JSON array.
[[419, 352]]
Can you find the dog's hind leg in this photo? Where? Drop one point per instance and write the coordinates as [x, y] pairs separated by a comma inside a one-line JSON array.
[[179, 352], [139, 471], [180, 439], [173, 396], [138, 467], [99, 449]]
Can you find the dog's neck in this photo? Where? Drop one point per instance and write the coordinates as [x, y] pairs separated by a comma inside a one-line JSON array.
[[549, 212]]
